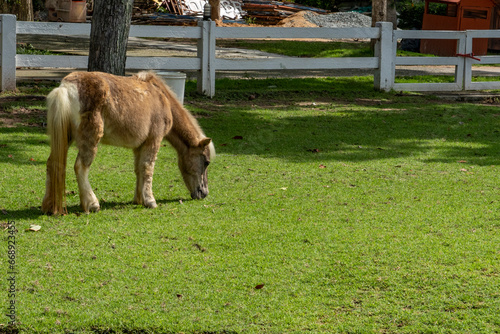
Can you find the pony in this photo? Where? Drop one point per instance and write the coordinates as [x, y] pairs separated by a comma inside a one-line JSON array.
[[135, 112]]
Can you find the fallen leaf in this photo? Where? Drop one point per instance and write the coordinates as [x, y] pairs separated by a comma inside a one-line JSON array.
[[284, 188], [462, 161], [34, 228], [463, 170], [32, 159], [10, 156], [237, 137], [313, 150], [223, 145], [322, 166], [180, 201], [179, 296], [258, 287], [201, 249]]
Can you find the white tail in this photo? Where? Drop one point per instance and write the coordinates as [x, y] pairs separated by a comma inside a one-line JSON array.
[[59, 111]]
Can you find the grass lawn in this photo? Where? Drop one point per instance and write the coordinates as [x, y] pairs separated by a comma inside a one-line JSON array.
[[333, 208]]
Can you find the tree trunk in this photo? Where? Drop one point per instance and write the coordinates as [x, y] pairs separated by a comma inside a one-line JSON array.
[[392, 14], [215, 10], [109, 35], [379, 11], [23, 9], [379, 14]]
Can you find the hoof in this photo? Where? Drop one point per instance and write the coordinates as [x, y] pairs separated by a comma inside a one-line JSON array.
[[150, 204], [93, 207]]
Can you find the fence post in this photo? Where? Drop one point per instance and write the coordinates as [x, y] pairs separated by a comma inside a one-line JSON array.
[[464, 70], [7, 52], [206, 53], [384, 50]]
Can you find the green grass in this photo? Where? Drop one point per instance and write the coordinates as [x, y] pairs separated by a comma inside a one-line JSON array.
[[358, 211], [311, 49], [302, 48], [23, 48]]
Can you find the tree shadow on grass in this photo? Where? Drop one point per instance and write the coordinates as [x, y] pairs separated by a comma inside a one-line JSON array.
[[380, 126], [15, 142]]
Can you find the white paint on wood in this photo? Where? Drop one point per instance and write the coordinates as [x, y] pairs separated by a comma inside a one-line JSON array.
[[7, 52], [384, 62], [384, 76]]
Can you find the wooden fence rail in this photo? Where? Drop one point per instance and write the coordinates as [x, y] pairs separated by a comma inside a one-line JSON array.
[[383, 63]]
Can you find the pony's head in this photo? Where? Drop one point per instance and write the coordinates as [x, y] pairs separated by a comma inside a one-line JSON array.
[[193, 165]]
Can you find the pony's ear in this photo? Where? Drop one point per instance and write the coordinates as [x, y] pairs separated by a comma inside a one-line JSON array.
[[204, 142]]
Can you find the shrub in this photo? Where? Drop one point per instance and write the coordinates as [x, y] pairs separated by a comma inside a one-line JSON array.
[[323, 4], [410, 15]]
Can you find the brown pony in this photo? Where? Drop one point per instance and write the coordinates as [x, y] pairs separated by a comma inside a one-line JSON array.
[[135, 112]]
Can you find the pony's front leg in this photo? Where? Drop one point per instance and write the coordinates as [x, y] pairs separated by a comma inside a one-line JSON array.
[[90, 132], [145, 157], [88, 199]]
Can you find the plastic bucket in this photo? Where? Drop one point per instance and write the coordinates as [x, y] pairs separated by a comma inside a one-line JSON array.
[[176, 81]]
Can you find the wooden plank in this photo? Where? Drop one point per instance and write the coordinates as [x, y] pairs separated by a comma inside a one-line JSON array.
[[430, 61], [53, 28], [484, 85], [138, 63], [427, 34], [485, 60], [427, 87], [7, 52], [80, 62], [484, 33], [164, 63], [383, 77], [164, 31]]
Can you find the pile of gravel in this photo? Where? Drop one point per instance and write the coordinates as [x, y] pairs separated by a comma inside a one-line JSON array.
[[339, 20]]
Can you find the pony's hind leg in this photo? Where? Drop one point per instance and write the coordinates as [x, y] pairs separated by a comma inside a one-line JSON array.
[[90, 133], [88, 199], [145, 157]]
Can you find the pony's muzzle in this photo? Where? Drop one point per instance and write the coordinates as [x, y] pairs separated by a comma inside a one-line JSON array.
[[199, 193]]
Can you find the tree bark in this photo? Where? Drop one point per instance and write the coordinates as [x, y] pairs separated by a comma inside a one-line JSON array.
[[379, 11], [109, 35], [23, 9], [379, 14], [215, 10]]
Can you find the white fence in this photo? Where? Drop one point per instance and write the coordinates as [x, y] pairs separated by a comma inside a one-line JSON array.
[[383, 63]]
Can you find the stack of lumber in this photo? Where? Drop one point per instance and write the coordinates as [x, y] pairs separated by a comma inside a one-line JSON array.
[[182, 12], [165, 19], [271, 12]]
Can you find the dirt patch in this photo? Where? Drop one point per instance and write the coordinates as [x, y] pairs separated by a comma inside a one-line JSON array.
[[16, 111], [296, 20]]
